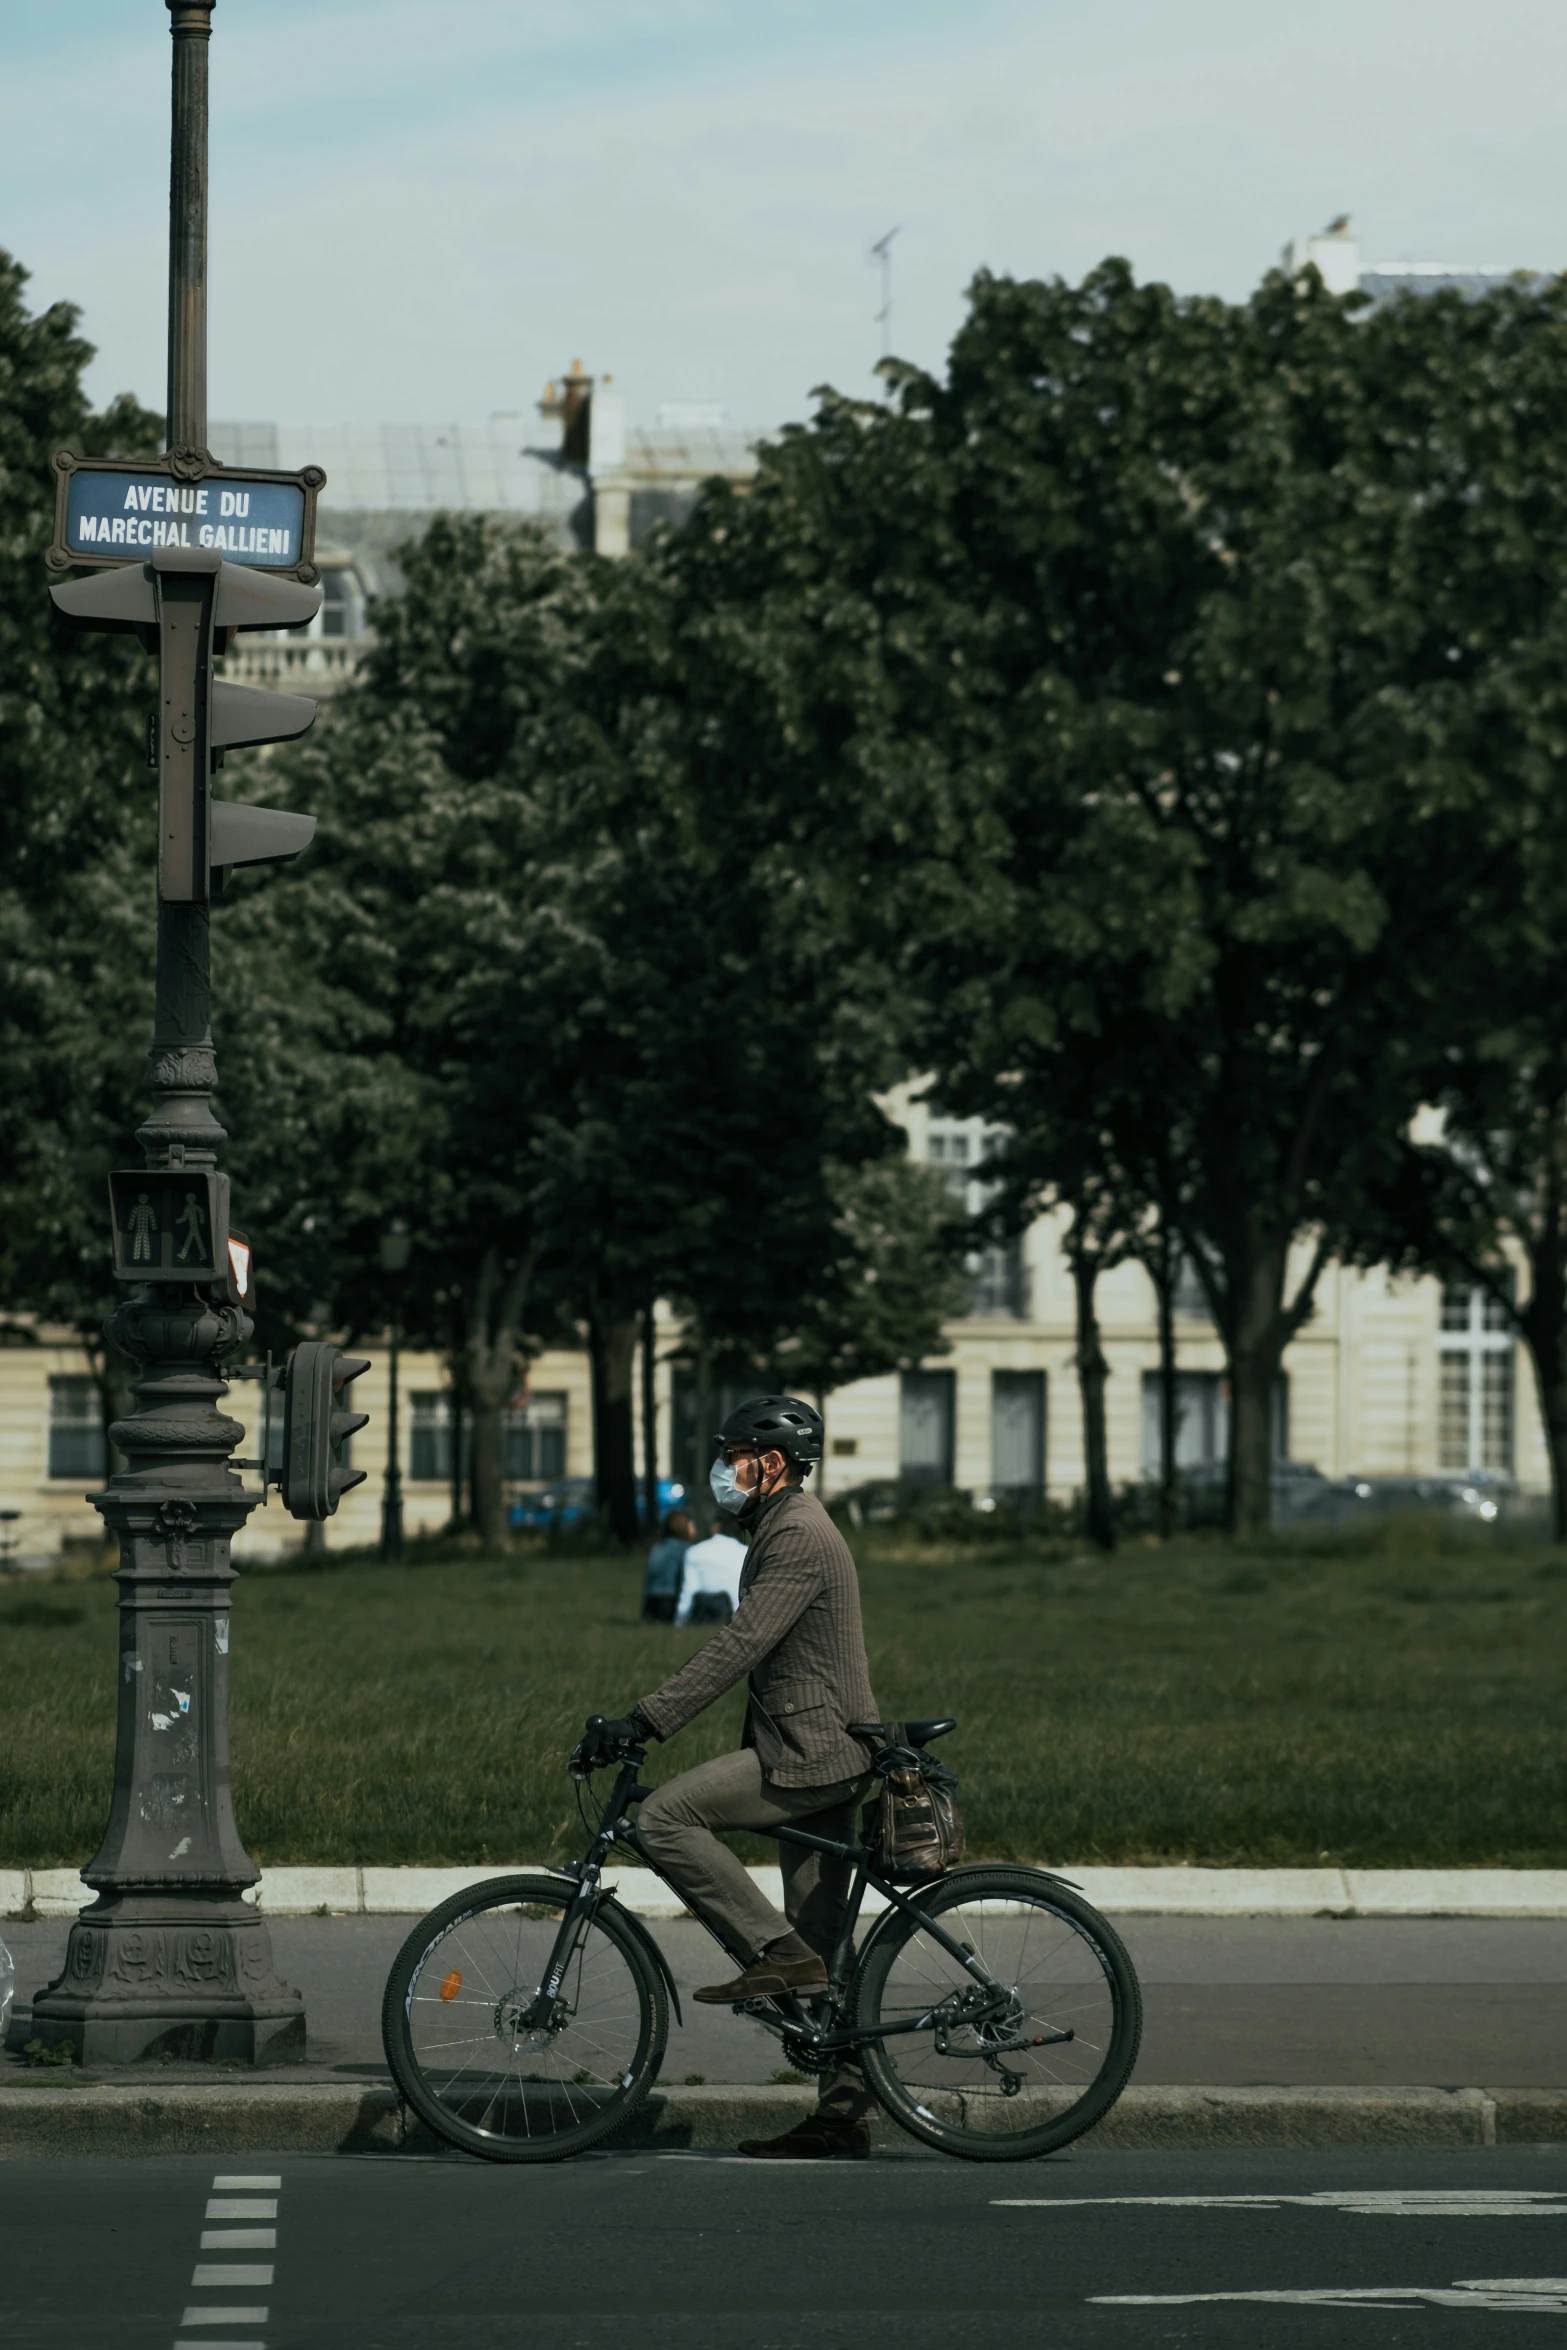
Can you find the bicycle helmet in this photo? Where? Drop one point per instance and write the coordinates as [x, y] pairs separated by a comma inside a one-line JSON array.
[[776, 1423]]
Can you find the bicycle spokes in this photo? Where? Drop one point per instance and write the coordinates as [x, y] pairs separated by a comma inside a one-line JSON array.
[[1028, 2054], [514, 2032]]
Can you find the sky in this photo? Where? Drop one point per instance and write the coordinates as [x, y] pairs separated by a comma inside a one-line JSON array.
[[420, 212]]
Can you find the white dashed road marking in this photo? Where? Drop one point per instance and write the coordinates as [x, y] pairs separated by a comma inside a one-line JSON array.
[[1548, 2294], [1369, 2202], [234, 2196]]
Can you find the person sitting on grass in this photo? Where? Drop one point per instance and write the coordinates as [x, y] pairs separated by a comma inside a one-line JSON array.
[[710, 1577], [661, 1584]]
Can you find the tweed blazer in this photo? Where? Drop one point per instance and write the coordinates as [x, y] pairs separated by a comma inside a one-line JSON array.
[[797, 1633]]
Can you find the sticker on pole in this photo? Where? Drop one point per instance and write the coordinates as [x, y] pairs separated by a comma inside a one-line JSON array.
[[109, 512]]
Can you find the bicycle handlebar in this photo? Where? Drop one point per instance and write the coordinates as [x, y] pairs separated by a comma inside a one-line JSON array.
[[616, 1751]]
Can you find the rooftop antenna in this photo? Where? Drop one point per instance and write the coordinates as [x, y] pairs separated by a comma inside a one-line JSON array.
[[882, 252]]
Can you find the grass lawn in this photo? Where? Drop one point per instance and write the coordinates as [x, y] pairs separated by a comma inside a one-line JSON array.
[[1287, 1703]]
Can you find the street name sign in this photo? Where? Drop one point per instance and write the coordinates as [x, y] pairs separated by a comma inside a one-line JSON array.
[[113, 511]]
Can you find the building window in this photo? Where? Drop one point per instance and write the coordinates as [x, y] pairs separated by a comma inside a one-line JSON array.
[[998, 1277], [75, 1429], [535, 1440], [1202, 1420], [343, 612], [342, 602], [1188, 1297], [430, 1440], [925, 1427], [1017, 1431], [1476, 1355]]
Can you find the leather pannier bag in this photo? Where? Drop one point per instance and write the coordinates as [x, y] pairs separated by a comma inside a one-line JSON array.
[[913, 1825]]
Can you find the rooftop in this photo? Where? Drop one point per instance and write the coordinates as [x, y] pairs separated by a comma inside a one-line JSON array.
[[489, 468]]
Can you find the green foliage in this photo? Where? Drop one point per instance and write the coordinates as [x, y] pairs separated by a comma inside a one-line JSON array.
[[556, 1017], [49, 2052], [878, 1300], [1129, 692], [1152, 726], [77, 833]]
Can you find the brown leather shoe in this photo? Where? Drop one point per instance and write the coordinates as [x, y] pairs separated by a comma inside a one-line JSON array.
[[821, 2137], [766, 1978]]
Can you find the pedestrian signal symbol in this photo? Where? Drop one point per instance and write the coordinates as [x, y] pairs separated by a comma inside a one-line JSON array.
[[170, 1224]]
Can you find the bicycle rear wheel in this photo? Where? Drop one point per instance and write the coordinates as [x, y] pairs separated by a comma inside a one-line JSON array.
[[1000, 2087], [490, 2062]]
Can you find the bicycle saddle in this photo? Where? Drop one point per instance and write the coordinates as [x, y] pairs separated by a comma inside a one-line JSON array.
[[914, 1733]]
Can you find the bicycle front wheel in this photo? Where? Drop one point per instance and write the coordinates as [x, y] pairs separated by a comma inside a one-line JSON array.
[[488, 2057], [999, 2082]]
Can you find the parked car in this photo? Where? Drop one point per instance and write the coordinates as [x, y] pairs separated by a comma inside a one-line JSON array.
[[1302, 1496], [1299, 1492], [570, 1500], [1479, 1493], [565, 1503]]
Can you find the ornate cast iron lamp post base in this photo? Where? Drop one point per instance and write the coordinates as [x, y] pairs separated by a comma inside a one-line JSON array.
[[169, 1961]]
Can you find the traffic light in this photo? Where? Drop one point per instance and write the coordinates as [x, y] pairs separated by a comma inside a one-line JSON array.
[[315, 1426], [185, 604]]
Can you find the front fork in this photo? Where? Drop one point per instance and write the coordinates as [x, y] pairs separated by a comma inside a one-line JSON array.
[[545, 2011]]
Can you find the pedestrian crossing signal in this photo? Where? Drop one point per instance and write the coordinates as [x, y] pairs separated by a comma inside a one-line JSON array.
[[170, 1224]]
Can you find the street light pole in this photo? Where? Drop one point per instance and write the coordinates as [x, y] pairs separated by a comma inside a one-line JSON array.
[[396, 1247], [169, 1960]]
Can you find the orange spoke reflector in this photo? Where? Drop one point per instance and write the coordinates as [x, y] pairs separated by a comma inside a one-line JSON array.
[[452, 1984]]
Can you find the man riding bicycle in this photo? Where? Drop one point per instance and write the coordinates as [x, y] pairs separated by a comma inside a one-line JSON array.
[[797, 1634]]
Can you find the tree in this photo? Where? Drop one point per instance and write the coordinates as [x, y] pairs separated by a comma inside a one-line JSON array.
[[77, 857], [422, 907], [567, 1028], [1472, 393], [1106, 663], [878, 1301]]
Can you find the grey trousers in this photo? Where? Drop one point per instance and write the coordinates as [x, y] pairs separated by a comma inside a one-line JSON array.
[[677, 1825]]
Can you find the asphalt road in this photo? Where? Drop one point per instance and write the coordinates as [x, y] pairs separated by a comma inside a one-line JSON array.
[[1424, 2002], [708, 2252]]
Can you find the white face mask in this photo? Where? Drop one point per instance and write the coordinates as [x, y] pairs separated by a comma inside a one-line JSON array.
[[727, 1489]]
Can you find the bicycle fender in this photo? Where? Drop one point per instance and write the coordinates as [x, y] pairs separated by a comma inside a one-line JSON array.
[[648, 1944]]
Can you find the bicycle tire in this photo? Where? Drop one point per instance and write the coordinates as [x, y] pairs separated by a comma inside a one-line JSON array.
[[1077, 1980], [501, 2089]]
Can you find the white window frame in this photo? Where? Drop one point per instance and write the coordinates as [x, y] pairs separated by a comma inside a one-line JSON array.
[[1477, 1341], [956, 1147]]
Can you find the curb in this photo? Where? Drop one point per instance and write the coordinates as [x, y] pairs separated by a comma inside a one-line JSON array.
[[323, 2118], [1120, 1892]]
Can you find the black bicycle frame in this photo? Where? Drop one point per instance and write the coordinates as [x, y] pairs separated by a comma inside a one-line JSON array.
[[616, 1828]]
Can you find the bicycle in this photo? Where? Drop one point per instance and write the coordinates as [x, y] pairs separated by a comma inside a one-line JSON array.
[[995, 2012]]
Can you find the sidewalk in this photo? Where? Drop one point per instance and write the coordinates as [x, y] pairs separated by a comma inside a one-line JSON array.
[[1119, 1892], [1282, 2008], [1272, 2031], [1303, 2002]]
